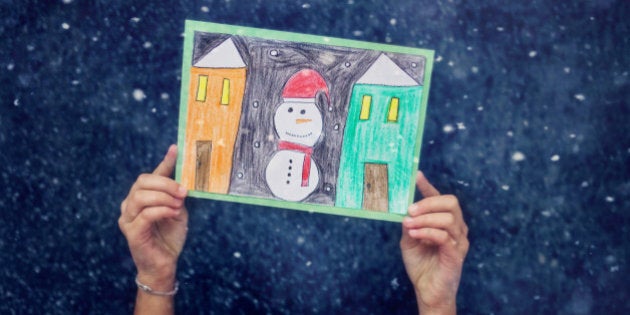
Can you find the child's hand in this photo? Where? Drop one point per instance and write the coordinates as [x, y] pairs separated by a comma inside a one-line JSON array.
[[434, 244], [154, 220]]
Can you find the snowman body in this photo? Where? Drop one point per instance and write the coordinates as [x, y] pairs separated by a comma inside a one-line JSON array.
[[284, 175], [292, 174]]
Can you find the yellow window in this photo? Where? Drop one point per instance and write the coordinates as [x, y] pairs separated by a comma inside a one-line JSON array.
[[365, 107], [392, 115], [202, 87], [225, 94]]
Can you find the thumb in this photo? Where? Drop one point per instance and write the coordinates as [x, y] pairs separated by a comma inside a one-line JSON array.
[[425, 188], [167, 165]]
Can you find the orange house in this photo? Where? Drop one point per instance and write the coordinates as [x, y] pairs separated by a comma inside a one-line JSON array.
[[217, 86]]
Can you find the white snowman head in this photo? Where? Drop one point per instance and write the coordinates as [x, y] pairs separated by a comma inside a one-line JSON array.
[[298, 119], [298, 122]]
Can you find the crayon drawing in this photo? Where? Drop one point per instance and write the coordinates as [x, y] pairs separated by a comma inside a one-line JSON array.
[[301, 122]]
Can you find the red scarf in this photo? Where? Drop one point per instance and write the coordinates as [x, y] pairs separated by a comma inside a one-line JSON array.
[[306, 165]]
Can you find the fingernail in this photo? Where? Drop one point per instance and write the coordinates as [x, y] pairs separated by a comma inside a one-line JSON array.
[[412, 210], [172, 149], [182, 190]]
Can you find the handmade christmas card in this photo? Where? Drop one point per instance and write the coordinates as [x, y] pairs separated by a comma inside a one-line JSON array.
[[303, 122]]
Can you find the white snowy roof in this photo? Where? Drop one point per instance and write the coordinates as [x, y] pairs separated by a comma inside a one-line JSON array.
[[223, 56], [385, 72]]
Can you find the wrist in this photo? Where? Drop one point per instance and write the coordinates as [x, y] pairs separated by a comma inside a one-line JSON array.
[[441, 309], [164, 281], [444, 307], [157, 297]]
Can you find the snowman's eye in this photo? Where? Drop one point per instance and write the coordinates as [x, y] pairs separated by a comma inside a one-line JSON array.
[[303, 112], [290, 109]]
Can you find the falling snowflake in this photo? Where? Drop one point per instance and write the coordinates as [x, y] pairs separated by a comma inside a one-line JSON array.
[[518, 156], [448, 128], [139, 95], [394, 283]]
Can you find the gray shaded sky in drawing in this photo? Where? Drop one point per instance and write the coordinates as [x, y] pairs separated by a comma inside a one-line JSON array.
[[270, 63]]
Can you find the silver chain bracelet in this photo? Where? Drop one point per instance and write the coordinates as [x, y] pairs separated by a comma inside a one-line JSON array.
[[148, 289]]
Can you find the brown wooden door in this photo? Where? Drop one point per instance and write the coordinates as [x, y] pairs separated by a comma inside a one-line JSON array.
[[375, 187], [202, 171]]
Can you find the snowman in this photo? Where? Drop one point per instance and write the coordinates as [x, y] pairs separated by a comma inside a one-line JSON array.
[[291, 173]]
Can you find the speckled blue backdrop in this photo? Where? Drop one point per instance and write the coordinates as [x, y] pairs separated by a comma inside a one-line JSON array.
[[527, 124]]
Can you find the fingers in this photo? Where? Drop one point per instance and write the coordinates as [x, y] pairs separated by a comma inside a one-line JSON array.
[[151, 191], [437, 211], [443, 221], [140, 228], [144, 199], [425, 188], [437, 220], [167, 165], [154, 182], [155, 190], [154, 214], [434, 236], [441, 203]]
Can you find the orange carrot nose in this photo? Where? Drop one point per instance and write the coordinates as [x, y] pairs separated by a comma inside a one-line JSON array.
[[302, 121]]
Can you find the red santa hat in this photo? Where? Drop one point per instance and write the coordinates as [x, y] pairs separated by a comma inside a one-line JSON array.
[[305, 84]]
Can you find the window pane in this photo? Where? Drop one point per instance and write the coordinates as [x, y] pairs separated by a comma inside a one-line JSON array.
[[365, 107], [392, 116], [202, 87], [225, 95]]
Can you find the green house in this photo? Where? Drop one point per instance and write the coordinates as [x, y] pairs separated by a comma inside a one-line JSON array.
[[379, 139]]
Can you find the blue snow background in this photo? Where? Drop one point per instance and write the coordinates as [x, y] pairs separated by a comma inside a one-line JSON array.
[[527, 124]]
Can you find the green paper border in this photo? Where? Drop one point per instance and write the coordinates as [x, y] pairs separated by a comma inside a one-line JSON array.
[[192, 26]]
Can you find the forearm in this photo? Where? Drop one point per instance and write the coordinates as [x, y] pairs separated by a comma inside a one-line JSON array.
[[153, 305]]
